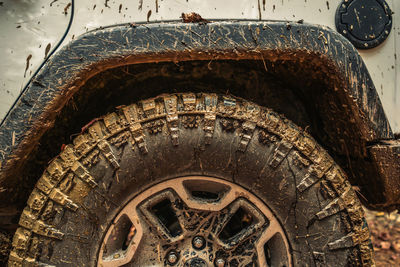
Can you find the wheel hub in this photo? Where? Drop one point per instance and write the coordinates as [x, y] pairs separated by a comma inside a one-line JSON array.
[[195, 222]]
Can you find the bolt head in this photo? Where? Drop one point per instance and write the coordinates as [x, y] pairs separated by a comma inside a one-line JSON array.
[[172, 257], [198, 242], [219, 262]]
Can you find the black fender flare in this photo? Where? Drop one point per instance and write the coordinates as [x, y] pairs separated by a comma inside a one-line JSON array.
[[96, 51]]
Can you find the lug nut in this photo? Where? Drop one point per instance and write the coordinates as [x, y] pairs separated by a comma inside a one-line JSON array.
[[198, 242], [219, 262], [172, 257]]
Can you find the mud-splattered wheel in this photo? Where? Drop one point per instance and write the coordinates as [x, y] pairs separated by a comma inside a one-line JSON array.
[[195, 221], [192, 180]]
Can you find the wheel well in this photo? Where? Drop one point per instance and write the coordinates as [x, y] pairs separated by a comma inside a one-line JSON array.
[[301, 92]]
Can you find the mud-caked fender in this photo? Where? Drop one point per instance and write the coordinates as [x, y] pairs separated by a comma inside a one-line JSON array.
[[350, 109]]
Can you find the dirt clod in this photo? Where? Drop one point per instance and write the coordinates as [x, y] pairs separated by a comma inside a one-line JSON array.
[[192, 18]]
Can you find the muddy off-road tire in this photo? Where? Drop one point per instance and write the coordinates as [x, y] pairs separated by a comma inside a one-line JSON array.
[[141, 146]]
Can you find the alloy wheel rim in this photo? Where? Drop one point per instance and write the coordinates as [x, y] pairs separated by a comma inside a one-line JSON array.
[[195, 221]]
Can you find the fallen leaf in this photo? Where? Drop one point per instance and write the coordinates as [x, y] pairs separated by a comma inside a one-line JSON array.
[[396, 246], [385, 245]]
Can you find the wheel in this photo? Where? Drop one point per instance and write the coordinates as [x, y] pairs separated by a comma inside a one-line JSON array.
[[193, 180]]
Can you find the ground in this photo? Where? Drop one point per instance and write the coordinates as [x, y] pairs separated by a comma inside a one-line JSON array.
[[385, 230]]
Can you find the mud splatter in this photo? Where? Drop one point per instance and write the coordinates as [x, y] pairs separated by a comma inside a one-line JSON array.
[[259, 10], [52, 2], [148, 15], [66, 8], [27, 64], [47, 50]]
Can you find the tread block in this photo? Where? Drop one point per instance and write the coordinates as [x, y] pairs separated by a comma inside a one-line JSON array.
[[210, 106], [57, 196], [81, 172], [138, 135], [252, 112], [342, 202], [320, 167], [96, 131], [367, 255], [305, 144], [344, 242], [210, 102], [292, 132], [68, 156], [29, 221], [322, 161], [21, 238], [189, 101], [309, 180], [56, 171], [37, 200], [149, 108], [171, 103], [17, 261], [131, 113], [337, 179], [111, 121], [209, 125], [43, 229], [350, 240], [44, 184], [82, 146], [247, 133], [280, 153], [270, 121], [326, 190], [332, 208], [105, 148]]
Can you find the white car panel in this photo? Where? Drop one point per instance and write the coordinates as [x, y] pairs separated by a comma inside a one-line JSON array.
[[32, 38]]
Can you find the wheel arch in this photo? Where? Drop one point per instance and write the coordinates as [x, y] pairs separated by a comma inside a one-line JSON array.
[[350, 111]]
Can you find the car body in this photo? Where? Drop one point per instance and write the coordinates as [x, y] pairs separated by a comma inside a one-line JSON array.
[[51, 50]]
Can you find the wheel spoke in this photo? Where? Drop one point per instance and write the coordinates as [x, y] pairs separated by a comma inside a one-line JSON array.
[[188, 190], [161, 212], [240, 221], [131, 239], [115, 262], [272, 229]]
